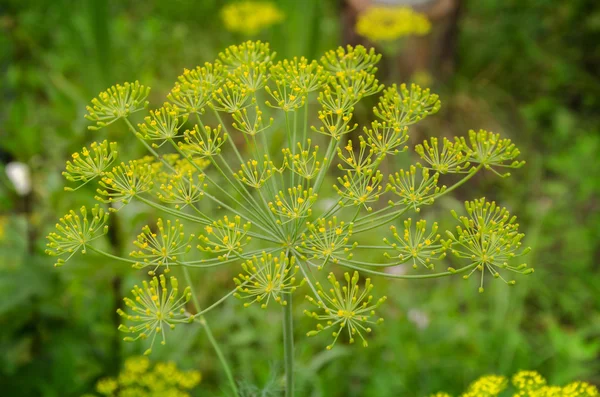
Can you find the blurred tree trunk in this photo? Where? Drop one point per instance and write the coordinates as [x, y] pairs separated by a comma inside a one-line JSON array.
[[434, 53]]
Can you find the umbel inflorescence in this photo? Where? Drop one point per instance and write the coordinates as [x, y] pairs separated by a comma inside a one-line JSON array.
[[240, 159]]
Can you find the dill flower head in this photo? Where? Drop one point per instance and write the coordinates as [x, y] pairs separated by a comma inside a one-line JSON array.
[[247, 142], [417, 245], [126, 181], [489, 239], [250, 17], [155, 308], [227, 236], [161, 246], [90, 163], [452, 158], [266, 277], [117, 102], [345, 306], [385, 24], [75, 232]]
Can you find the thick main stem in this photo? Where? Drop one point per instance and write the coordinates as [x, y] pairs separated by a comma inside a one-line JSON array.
[[288, 344], [210, 336]]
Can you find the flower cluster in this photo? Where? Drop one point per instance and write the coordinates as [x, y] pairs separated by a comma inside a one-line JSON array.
[[526, 384], [163, 248], [90, 163], [266, 277], [74, 232], [384, 24], [241, 153], [155, 308], [345, 307], [139, 378], [117, 102], [489, 239]]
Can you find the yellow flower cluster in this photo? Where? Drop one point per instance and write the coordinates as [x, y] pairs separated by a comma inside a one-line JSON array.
[[250, 17], [384, 24], [526, 384], [139, 379]]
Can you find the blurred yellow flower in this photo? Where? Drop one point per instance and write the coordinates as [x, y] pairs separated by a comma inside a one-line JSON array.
[[250, 17], [140, 378], [388, 24]]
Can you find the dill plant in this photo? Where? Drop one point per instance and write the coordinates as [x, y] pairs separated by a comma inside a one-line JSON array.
[[239, 151]]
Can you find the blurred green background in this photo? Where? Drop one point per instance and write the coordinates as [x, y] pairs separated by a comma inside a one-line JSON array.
[[529, 69]]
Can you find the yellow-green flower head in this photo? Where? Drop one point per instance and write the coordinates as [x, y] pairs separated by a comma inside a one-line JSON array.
[[161, 246], [487, 386], [231, 97], [163, 124], [345, 307], [250, 17], [359, 189], [155, 308], [204, 142], [265, 278], [90, 163], [386, 138], [182, 189], [350, 59], [255, 173], [359, 163], [139, 379], [226, 236], [327, 240], [247, 53], [413, 190], [417, 245], [287, 96], [440, 394], [294, 205], [126, 181], [194, 87], [385, 24], [488, 238], [305, 161], [487, 149], [452, 158], [117, 102], [252, 123], [307, 76], [403, 106], [74, 232]]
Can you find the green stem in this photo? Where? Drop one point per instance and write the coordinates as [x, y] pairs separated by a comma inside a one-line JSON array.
[[210, 336], [288, 344]]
